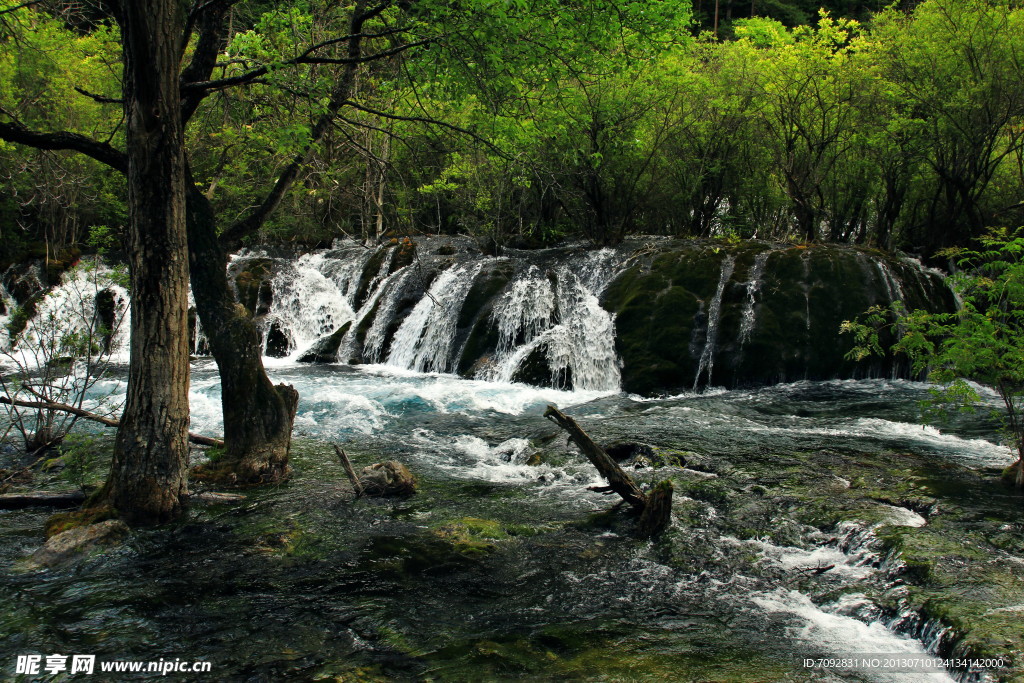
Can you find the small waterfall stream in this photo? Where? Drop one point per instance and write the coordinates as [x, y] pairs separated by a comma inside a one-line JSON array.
[[753, 285], [424, 340], [707, 355]]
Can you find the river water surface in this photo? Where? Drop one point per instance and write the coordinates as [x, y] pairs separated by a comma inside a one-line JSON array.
[[501, 567]]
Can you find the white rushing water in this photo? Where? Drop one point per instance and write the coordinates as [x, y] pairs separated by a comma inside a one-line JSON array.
[[424, 340], [749, 317], [68, 314], [312, 297], [558, 314], [707, 356]]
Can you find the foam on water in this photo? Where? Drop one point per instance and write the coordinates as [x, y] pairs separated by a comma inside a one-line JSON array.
[[838, 635], [469, 457], [970, 451]]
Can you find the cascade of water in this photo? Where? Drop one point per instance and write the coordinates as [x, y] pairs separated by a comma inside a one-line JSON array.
[[384, 286], [806, 284], [73, 307], [748, 318], [312, 297], [423, 342], [565, 319], [389, 293], [7, 304], [893, 287], [707, 356], [523, 313], [583, 345]]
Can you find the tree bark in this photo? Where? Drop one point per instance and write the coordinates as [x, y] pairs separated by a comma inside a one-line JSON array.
[[148, 471], [258, 416]]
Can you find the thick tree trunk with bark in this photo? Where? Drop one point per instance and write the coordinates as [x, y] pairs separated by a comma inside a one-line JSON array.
[[148, 472], [258, 416]]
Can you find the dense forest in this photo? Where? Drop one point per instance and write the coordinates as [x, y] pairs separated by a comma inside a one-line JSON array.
[[892, 127]]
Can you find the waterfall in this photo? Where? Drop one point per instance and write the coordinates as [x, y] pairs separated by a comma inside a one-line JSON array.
[[584, 343], [387, 293], [563, 319], [424, 340], [537, 317], [707, 356], [748, 317], [892, 285], [312, 297], [383, 285], [90, 302], [7, 305]]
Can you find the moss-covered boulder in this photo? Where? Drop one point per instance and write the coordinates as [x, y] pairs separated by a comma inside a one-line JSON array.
[[698, 314]]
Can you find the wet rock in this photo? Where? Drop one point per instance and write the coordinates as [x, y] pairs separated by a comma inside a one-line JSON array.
[[278, 344], [325, 350], [624, 450], [390, 478], [253, 287], [69, 546], [778, 319]]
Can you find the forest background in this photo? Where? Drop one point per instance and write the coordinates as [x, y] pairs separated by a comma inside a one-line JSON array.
[[895, 126]]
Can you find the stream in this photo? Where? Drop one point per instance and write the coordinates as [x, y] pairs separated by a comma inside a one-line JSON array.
[[504, 566]]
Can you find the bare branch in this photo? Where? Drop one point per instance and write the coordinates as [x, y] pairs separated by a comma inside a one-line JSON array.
[[252, 75], [100, 151], [102, 99], [110, 422]]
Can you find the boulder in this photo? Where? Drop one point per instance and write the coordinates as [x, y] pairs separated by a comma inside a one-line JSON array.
[[390, 478], [325, 350], [77, 543]]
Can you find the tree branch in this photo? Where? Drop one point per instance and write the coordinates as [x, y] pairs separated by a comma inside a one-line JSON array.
[[18, 7], [102, 99], [252, 75], [110, 422], [100, 151]]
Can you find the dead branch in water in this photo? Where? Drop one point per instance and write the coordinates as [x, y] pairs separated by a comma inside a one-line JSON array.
[[109, 421], [655, 508]]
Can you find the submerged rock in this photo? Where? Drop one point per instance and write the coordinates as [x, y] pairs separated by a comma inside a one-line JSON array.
[[78, 543], [390, 478]]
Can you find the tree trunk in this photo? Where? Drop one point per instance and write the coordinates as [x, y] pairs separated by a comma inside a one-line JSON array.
[[258, 416], [148, 470]]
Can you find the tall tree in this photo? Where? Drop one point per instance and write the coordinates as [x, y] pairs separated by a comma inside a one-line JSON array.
[[148, 471]]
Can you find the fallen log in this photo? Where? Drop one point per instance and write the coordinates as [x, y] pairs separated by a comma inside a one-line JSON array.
[[618, 481], [28, 499], [109, 421], [349, 470], [654, 508]]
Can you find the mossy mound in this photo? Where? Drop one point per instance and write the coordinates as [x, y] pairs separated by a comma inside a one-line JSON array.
[[780, 312]]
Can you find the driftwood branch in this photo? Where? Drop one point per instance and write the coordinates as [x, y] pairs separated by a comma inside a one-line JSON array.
[[17, 501], [618, 481], [349, 470], [655, 508], [110, 422]]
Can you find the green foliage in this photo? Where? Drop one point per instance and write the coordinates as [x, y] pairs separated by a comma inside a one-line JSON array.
[[80, 454], [982, 343], [527, 122]]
